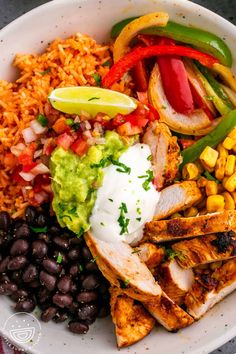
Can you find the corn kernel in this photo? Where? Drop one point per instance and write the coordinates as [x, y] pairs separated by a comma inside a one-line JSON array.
[[230, 165], [209, 157], [190, 172], [201, 182], [229, 202], [229, 143], [176, 215], [215, 203], [211, 188], [220, 168], [190, 212], [233, 194], [232, 134], [230, 184], [206, 167], [222, 151]]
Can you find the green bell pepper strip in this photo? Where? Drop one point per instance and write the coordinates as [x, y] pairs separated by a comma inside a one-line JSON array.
[[215, 85], [202, 40], [212, 139]]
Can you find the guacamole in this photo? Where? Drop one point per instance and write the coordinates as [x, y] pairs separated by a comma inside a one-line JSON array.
[[75, 180]]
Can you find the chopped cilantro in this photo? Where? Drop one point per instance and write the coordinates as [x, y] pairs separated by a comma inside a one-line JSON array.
[[107, 63], [97, 79], [111, 200], [94, 98], [81, 268], [149, 177], [122, 220], [149, 158], [136, 251], [123, 168], [42, 120], [46, 71], [38, 230], [102, 163], [94, 259], [138, 211], [138, 219], [59, 258], [171, 254], [102, 224], [124, 283]]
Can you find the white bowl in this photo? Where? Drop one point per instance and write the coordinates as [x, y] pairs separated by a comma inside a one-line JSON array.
[[31, 33]]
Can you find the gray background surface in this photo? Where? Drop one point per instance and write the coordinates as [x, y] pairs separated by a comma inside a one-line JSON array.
[[10, 9]]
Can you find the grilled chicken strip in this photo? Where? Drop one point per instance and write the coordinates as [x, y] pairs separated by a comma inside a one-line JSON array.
[[132, 322], [124, 269], [150, 254], [206, 249], [199, 300], [177, 197], [175, 281], [168, 313], [178, 228], [165, 153]]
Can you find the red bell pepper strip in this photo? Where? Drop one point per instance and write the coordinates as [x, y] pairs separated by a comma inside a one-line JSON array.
[[131, 59], [199, 102], [140, 77], [175, 81]]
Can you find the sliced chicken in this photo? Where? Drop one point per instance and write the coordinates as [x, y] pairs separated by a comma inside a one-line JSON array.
[[165, 153], [199, 300], [124, 269], [205, 249], [132, 322], [177, 197], [168, 313], [175, 281], [174, 229], [150, 254]]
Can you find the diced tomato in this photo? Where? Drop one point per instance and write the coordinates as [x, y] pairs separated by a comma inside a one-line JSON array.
[[65, 141], [49, 146], [153, 114], [136, 120], [17, 178], [60, 126], [28, 168], [80, 147], [118, 120], [185, 143], [26, 157], [40, 181]]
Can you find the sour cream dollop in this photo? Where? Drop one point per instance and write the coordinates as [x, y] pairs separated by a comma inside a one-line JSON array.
[[125, 201]]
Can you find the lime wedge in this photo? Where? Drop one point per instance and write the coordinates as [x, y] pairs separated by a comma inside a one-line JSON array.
[[93, 100]]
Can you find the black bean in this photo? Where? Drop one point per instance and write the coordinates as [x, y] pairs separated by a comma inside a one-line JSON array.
[[74, 270], [44, 237], [62, 300], [39, 249], [4, 279], [23, 231], [74, 254], [87, 255], [87, 296], [5, 221], [4, 264], [54, 230], [64, 284], [16, 277], [43, 295], [90, 282], [76, 241], [30, 215], [30, 274], [87, 311], [51, 266], [90, 320], [20, 294], [41, 220], [34, 284], [48, 280], [48, 314], [25, 305], [61, 316], [78, 327], [74, 288], [61, 242], [19, 247], [3, 238], [8, 289], [17, 263], [73, 308], [91, 267]]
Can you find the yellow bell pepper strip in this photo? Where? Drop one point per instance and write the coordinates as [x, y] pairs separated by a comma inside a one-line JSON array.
[[226, 75], [130, 31], [132, 58], [212, 139], [202, 40]]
